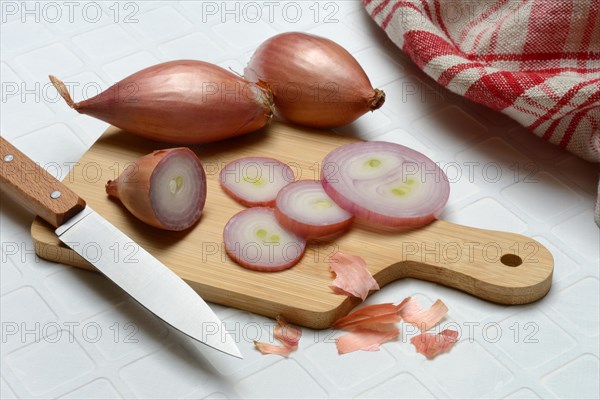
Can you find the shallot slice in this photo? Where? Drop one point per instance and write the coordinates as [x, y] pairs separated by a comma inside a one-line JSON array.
[[352, 276], [254, 239], [315, 82], [255, 181], [304, 208], [430, 345], [423, 318], [165, 189], [364, 339], [385, 183]]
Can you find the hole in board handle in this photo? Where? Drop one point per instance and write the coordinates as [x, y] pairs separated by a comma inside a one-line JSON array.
[[511, 260]]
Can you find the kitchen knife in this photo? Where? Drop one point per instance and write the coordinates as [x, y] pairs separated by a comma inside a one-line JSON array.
[[142, 276]]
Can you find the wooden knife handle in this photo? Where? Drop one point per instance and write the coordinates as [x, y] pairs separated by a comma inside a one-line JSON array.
[[31, 185]]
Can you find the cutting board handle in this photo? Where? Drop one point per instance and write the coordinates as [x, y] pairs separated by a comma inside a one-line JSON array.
[[502, 267], [32, 186]]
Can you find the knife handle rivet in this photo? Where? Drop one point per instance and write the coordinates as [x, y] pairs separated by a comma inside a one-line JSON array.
[[55, 195], [8, 158]]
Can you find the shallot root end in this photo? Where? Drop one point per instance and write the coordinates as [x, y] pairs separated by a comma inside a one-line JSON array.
[[111, 188], [62, 90], [377, 100]]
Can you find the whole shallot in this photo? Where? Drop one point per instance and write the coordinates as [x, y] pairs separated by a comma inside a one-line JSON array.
[[184, 102], [165, 189], [315, 82]]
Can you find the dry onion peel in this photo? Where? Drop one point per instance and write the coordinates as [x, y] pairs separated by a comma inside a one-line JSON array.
[[315, 82], [423, 318], [363, 339], [185, 102], [375, 324], [430, 345], [267, 348], [352, 276], [165, 189], [383, 326], [287, 334], [374, 317]]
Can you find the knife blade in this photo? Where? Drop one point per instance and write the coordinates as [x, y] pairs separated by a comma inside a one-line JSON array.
[[142, 276]]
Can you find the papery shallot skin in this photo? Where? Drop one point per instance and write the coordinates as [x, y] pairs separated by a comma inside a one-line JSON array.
[[422, 318], [315, 82], [183, 102], [364, 339], [372, 317], [352, 276], [288, 335], [430, 345], [267, 348]]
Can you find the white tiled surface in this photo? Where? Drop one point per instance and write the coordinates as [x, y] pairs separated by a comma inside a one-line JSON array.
[[91, 341]]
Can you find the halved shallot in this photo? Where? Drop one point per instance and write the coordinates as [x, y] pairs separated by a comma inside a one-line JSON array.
[[254, 239], [304, 208], [385, 183], [255, 181], [185, 102], [165, 189], [315, 82]]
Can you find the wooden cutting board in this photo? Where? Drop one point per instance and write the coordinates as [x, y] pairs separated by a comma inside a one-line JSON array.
[[479, 262]]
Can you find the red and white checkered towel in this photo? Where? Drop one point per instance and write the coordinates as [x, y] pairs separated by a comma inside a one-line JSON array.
[[537, 61]]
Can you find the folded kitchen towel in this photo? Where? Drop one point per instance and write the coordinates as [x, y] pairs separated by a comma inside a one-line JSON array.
[[537, 61]]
